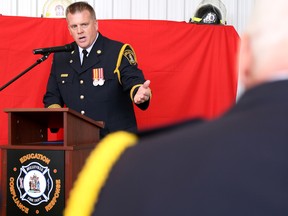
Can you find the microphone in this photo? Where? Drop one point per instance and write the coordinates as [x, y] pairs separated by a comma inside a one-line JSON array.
[[65, 48]]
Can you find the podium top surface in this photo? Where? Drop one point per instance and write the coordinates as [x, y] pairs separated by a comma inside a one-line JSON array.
[[54, 110]]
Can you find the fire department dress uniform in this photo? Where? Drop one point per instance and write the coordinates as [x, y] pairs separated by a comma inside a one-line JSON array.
[[102, 88]]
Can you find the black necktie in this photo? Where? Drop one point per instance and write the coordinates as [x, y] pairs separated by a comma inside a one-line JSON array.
[[84, 56]]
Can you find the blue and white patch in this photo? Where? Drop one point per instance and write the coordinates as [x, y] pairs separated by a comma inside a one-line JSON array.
[[34, 183]]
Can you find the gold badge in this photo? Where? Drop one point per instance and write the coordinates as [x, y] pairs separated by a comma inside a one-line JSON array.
[[130, 55]]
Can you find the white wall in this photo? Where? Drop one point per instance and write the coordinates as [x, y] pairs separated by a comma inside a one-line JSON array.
[[176, 10]]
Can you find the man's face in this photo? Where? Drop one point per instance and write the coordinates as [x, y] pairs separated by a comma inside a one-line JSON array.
[[83, 28]]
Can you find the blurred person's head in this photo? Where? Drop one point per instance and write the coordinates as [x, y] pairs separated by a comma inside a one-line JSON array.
[[82, 23], [264, 44]]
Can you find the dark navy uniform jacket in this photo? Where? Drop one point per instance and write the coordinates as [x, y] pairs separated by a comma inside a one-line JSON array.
[[234, 165], [71, 84]]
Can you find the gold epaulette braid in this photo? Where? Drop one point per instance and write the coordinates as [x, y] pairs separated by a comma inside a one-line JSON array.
[[87, 187]]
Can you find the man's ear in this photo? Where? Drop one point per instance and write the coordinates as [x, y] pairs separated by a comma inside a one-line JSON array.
[[96, 24], [245, 61]]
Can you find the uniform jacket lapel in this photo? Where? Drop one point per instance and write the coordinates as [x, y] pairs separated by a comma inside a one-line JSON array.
[[93, 57]]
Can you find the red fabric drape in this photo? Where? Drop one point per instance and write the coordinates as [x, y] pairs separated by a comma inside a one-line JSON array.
[[192, 68]]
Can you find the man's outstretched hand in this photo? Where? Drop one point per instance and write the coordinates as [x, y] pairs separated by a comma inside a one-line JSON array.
[[143, 94]]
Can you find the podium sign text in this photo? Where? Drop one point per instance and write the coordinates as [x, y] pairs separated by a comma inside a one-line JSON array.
[[35, 182]]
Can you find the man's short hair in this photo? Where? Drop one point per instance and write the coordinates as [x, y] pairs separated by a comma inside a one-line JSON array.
[[79, 7]]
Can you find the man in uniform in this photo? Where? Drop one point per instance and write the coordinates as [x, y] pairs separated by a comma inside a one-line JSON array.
[[100, 78]]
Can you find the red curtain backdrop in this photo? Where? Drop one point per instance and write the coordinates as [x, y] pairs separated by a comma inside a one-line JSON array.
[[192, 68]]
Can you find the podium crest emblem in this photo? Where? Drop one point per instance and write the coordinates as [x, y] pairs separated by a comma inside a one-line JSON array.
[[34, 183]]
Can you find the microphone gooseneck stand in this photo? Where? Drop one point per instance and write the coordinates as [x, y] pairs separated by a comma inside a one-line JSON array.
[[40, 60]]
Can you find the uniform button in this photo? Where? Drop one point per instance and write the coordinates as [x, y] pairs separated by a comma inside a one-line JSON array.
[[63, 81], [81, 81], [81, 97], [82, 112]]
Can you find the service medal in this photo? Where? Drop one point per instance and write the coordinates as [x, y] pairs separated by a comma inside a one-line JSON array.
[[95, 82], [101, 82], [98, 77]]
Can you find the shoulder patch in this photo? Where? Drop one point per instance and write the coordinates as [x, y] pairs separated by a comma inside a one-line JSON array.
[[130, 55]]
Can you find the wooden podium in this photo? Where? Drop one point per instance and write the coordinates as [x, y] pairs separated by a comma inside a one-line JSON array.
[[37, 172]]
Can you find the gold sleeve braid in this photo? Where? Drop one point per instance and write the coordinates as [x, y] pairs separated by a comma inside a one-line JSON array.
[[117, 71], [120, 56], [85, 192]]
